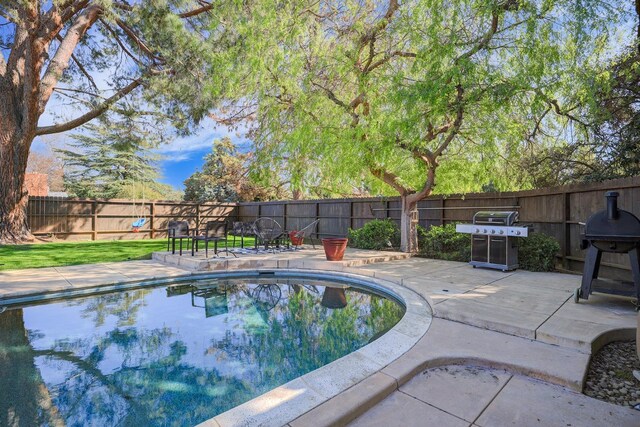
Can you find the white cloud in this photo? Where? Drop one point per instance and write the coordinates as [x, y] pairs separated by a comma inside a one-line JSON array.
[[184, 147]]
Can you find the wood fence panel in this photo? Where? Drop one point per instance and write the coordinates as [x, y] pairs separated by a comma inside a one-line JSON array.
[[82, 219], [430, 212], [363, 211], [248, 212], [335, 218], [300, 214], [542, 208]]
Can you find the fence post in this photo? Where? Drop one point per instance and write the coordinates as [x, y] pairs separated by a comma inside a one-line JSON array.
[[318, 234], [351, 214], [566, 231], [152, 222], [198, 216], [94, 220]]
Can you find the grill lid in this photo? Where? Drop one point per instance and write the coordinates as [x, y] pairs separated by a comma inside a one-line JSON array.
[[612, 224], [496, 217]]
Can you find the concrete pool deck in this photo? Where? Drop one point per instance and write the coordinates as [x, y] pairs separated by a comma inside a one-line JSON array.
[[502, 348]]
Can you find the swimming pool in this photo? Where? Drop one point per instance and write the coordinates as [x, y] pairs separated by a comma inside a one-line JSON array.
[[179, 353]]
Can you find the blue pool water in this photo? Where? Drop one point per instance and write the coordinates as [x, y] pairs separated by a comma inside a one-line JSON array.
[[176, 354]]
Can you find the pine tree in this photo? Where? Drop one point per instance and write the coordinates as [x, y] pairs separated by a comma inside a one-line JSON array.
[[111, 159]]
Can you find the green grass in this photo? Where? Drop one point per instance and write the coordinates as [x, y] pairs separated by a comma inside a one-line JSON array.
[[67, 253]]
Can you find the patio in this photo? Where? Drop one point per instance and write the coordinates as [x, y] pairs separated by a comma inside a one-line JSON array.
[[501, 348]]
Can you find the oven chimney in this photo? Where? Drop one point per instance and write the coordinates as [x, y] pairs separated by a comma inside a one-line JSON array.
[[612, 205]]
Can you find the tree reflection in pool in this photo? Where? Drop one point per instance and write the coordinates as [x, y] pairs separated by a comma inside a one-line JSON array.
[[176, 355]]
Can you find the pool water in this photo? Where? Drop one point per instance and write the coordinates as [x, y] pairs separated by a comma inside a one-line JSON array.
[[177, 354]]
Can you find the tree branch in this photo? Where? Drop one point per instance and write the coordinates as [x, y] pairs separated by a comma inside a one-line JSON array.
[[456, 123], [134, 37], [332, 96], [4, 14], [3, 65], [60, 61], [82, 69], [382, 24], [62, 127], [386, 58], [57, 16], [484, 41], [390, 179], [206, 6], [120, 43]]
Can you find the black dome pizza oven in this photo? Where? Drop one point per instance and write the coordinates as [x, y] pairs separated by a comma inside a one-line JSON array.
[[610, 230]]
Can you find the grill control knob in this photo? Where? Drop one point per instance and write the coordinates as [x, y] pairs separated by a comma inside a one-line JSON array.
[[493, 231], [501, 231], [477, 230], [484, 231], [517, 233]]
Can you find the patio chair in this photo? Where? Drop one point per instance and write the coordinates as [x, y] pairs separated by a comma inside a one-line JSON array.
[[177, 230], [242, 230], [306, 232], [214, 231], [267, 232]]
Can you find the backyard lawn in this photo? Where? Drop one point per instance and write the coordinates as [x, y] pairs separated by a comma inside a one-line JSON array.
[[15, 257]]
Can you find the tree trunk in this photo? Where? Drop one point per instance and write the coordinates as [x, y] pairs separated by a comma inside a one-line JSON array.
[[408, 222], [14, 152]]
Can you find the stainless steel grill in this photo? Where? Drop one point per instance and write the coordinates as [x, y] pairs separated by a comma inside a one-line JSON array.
[[492, 243]]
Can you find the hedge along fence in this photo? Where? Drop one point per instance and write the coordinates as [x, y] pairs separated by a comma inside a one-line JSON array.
[[97, 219], [556, 212]]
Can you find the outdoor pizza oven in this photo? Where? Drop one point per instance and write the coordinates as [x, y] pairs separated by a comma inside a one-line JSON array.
[[610, 230]]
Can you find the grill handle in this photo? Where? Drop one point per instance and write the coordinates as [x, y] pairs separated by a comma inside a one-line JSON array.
[[612, 205]]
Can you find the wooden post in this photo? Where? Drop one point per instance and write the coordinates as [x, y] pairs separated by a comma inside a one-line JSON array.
[[318, 234], [351, 214], [442, 202], [284, 215], [566, 231], [198, 216], [94, 220], [152, 222]]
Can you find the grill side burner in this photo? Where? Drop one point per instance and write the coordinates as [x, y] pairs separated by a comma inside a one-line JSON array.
[[492, 245], [610, 230]]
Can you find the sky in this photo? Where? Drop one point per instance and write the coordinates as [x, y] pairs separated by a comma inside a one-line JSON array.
[[185, 155], [179, 159]]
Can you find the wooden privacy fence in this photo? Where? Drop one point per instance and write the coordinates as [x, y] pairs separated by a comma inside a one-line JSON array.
[[95, 219], [556, 212]]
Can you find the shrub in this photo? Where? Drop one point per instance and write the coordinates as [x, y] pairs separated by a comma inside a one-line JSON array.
[[537, 252], [377, 234], [443, 242]]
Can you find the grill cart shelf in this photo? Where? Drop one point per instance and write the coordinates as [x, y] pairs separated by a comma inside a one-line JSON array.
[[610, 230], [492, 239]]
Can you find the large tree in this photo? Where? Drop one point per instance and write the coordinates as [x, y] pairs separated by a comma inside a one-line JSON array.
[[111, 158], [397, 91], [94, 53], [225, 177]]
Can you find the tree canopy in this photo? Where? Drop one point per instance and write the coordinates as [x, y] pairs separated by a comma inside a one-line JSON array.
[[112, 158], [387, 93], [225, 177], [161, 55]]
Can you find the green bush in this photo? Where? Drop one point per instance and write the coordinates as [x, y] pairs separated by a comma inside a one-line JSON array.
[[537, 252], [443, 242], [377, 234]]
